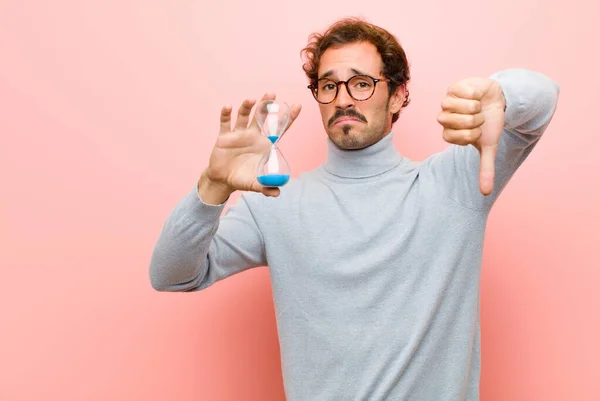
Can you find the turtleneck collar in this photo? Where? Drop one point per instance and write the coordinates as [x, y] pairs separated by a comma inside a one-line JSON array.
[[370, 161]]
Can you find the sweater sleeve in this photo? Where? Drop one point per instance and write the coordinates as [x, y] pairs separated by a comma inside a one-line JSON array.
[[531, 100], [196, 247]]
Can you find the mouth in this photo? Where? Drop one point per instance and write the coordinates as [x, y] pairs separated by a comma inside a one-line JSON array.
[[350, 116], [346, 120]]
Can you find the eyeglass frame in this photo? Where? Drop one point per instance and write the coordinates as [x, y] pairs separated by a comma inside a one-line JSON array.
[[314, 88]]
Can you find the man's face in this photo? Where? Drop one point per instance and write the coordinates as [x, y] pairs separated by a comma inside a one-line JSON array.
[[349, 123]]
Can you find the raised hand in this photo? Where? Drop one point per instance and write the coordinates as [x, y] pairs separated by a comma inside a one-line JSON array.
[[473, 114], [237, 155]]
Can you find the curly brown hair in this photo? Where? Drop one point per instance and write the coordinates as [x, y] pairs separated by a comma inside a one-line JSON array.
[[352, 30]]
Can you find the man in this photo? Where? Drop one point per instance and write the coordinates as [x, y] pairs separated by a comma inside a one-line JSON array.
[[374, 259]]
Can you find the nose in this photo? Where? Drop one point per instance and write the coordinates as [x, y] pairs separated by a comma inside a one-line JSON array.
[[343, 99]]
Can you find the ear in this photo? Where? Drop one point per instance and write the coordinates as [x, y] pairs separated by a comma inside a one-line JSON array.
[[397, 99]]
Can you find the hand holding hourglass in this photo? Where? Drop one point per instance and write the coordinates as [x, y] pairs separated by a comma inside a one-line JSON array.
[[239, 153]]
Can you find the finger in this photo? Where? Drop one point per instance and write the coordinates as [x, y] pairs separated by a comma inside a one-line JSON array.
[[271, 191], [254, 123], [244, 114], [225, 120], [486, 169], [461, 137], [460, 121], [452, 104], [473, 88], [267, 191]]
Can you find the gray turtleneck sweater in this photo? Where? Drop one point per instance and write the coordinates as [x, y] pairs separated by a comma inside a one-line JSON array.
[[374, 260]]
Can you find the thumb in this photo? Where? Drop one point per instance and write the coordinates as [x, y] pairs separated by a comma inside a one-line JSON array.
[[267, 191], [486, 169]]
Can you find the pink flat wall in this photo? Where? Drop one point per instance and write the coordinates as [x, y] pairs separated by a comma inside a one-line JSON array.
[[108, 111]]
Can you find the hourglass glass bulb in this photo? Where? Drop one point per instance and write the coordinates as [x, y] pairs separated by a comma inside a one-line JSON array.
[[273, 118], [273, 171]]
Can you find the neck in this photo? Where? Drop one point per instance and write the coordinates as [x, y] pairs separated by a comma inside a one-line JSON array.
[[367, 162]]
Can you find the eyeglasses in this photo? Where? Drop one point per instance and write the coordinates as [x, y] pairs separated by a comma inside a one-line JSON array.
[[359, 87]]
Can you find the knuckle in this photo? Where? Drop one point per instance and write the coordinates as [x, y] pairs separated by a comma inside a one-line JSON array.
[[446, 103], [470, 106], [462, 138], [473, 135], [479, 119], [471, 121], [470, 91]]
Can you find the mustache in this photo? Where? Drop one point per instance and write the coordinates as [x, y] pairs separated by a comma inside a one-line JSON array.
[[346, 113]]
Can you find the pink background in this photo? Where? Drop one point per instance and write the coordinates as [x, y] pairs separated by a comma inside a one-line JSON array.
[[108, 111]]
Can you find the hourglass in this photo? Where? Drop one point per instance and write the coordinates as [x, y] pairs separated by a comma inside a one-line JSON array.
[[273, 118]]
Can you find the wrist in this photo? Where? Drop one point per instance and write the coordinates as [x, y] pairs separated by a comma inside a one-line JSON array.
[[212, 193]]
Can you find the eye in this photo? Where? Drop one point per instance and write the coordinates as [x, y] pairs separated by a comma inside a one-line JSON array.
[[362, 84], [327, 87]]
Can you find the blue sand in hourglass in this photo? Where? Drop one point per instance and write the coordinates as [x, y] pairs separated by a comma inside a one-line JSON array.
[[273, 180], [273, 138]]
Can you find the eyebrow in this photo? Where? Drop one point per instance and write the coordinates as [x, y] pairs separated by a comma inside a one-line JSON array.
[[331, 72]]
